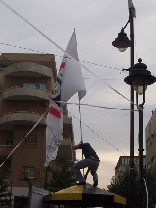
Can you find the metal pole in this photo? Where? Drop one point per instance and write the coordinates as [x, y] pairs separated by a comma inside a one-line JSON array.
[[10, 193], [131, 179], [45, 185], [141, 154]]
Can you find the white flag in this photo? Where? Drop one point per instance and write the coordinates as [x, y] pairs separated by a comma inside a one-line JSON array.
[[72, 76], [69, 81]]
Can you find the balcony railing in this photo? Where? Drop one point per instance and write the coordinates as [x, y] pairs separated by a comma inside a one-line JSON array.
[[20, 93], [31, 110], [6, 146], [28, 69], [16, 87], [8, 120]]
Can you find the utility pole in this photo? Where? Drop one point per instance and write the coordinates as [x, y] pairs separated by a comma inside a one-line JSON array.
[[131, 182]]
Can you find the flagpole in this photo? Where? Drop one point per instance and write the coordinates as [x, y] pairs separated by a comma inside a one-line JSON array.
[[80, 120], [81, 129]]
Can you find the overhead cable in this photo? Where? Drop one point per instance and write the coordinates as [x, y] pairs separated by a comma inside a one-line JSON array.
[[61, 101], [87, 62], [95, 106], [34, 126], [67, 54], [98, 135]]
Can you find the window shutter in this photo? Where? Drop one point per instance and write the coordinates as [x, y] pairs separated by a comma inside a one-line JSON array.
[[22, 173], [36, 172]]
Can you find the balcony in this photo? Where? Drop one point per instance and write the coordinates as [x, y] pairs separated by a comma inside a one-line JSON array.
[[5, 150], [27, 69], [20, 93], [8, 121]]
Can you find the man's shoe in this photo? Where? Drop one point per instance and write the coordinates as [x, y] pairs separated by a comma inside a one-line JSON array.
[[81, 183], [95, 183]]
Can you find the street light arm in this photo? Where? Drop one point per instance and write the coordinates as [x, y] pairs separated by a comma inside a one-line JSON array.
[[126, 24], [130, 69]]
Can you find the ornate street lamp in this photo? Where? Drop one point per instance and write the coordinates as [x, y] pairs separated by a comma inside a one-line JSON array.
[[140, 78], [122, 42]]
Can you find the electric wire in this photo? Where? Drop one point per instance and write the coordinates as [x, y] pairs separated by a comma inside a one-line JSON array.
[[26, 76], [47, 111], [34, 126], [48, 108], [95, 106], [64, 52], [51, 97], [87, 62], [62, 49], [97, 134], [67, 54]]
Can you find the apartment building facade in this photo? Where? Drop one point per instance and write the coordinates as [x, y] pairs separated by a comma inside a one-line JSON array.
[[123, 164], [150, 137], [26, 85]]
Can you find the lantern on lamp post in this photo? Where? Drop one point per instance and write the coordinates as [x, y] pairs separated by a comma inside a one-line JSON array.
[[122, 42]]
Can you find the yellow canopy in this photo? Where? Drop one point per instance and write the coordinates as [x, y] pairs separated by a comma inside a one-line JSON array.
[[84, 195]]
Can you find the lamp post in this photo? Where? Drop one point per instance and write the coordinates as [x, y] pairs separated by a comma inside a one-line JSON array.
[[122, 43], [139, 78], [47, 170]]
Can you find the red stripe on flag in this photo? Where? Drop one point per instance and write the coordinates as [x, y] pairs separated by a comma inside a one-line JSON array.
[[54, 112], [62, 65]]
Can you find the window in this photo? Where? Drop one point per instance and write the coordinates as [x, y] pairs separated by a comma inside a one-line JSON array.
[[126, 161], [123, 161], [43, 86], [29, 172], [144, 161], [38, 86], [9, 144], [148, 142], [7, 174], [31, 141]]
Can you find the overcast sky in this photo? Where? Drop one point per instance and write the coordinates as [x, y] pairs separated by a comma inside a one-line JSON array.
[[97, 24]]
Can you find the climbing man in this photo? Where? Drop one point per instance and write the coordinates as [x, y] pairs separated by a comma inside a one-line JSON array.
[[91, 161]]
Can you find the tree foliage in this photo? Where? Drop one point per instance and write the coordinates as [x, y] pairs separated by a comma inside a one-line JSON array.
[[63, 175], [4, 192], [121, 187]]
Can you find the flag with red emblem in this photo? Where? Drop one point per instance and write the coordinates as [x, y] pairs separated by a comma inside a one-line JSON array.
[[69, 81]]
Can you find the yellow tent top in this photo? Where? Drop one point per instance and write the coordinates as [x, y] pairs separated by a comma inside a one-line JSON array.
[[86, 196]]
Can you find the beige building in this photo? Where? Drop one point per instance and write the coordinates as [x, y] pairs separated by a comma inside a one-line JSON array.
[[26, 85], [150, 136], [123, 164]]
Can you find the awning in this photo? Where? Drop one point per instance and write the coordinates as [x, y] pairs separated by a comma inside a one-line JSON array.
[[84, 195]]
